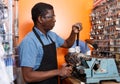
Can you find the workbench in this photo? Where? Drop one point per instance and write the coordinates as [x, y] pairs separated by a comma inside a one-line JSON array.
[[72, 80]]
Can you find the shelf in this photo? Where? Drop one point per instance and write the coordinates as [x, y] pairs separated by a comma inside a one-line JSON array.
[[105, 20]]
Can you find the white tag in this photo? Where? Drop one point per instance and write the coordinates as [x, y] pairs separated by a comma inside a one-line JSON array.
[[77, 49], [71, 50]]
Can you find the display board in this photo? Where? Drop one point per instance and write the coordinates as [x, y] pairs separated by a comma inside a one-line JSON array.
[[105, 20]]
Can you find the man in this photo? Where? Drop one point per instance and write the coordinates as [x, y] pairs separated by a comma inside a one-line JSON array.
[[37, 51]]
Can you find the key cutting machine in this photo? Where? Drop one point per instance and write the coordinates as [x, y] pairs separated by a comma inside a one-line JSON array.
[[92, 70]]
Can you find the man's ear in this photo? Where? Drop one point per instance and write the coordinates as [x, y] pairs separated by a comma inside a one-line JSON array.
[[40, 19]]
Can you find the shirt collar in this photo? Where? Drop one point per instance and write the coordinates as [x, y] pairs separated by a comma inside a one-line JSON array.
[[39, 32]]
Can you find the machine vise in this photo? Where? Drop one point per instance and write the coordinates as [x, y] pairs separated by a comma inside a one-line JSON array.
[[92, 70]]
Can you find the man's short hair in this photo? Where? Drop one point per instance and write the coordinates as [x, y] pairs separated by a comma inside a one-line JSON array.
[[40, 9]]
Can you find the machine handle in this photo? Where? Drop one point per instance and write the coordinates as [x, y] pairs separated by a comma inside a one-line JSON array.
[[77, 41]]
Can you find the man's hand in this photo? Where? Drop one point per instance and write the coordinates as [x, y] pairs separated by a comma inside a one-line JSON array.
[[77, 27], [65, 71]]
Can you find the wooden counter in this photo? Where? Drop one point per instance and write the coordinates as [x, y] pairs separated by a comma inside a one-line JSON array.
[[72, 80]]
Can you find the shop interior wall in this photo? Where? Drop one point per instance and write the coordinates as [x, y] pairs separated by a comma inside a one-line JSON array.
[[67, 13]]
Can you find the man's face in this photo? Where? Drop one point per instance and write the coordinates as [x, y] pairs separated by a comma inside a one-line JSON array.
[[48, 21]]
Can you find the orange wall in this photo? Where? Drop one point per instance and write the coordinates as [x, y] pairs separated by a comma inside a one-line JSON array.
[[67, 13]]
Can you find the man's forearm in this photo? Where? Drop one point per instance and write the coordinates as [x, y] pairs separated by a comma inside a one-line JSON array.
[[71, 39]]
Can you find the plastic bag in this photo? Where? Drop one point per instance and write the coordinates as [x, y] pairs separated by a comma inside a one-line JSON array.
[[4, 79]]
